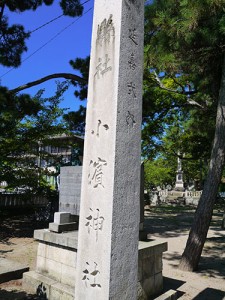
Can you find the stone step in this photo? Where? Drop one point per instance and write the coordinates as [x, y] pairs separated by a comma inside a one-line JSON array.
[[169, 295], [10, 270], [46, 288]]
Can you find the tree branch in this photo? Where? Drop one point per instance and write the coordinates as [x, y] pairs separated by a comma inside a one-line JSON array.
[[178, 83], [46, 78], [162, 86]]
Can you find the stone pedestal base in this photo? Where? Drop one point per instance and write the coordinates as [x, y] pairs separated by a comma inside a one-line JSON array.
[[54, 276], [59, 228]]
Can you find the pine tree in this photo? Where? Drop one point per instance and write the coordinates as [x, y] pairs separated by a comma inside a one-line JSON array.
[[187, 38]]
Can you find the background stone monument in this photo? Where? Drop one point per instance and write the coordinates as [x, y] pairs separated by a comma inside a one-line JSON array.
[[179, 185], [107, 264], [70, 187]]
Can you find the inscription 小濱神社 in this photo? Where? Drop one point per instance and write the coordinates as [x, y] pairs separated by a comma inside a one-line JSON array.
[[106, 31], [99, 125], [113, 128], [95, 176], [102, 66], [90, 275], [94, 222]]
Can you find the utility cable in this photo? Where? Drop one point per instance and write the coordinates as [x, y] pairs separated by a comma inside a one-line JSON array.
[[55, 36], [36, 29], [56, 18], [49, 41]]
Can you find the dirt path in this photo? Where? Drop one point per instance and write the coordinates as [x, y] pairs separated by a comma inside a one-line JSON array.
[[173, 226], [169, 224], [17, 244]]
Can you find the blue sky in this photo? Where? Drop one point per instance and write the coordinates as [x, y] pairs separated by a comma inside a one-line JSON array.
[[73, 42]]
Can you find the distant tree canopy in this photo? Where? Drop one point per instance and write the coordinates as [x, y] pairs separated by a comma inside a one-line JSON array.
[[186, 40], [26, 125], [159, 172], [181, 38]]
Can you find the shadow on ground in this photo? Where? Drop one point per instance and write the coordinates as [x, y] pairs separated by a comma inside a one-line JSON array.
[[210, 294], [168, 221], [16, 295], [172, 284], [210, 266], [18, 225]]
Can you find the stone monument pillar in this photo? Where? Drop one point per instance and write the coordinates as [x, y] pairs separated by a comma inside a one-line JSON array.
[[107, 264], [179, 176]]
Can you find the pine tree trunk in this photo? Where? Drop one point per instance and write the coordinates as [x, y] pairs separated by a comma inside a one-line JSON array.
[[203, 215]]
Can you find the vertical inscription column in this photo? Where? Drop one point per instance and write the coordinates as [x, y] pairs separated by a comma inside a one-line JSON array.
[[109, 218]]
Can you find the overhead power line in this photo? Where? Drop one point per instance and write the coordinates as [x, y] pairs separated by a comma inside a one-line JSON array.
[[49, 41], [55, 36], [54, 19], [36, 29]]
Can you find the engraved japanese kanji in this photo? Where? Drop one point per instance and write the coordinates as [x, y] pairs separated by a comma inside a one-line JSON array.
[[102, 66], [95, 176], [130, 119], [133, 36], [131, 62], [100, 125], [132, 89], [94, 222], [90, 275], [106, 31]]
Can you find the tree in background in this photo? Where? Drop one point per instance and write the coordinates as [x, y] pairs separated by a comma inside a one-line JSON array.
[[27, 125], [76, 119], [187, 38], [159, 172]]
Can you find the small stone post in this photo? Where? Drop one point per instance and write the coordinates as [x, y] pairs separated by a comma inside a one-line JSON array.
[[107, 264]]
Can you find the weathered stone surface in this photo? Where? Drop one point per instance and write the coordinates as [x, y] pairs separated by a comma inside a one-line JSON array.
[[57, 262], [57, 265], [61, 217], [63, 227], [61, 291], [49, 267], [158, 263], [70, 189], [149, 248], [107, 264], [150, 268], [52, 290], [32, 280], [67, 239], [158, 283], [57, 253], [169, 295]]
